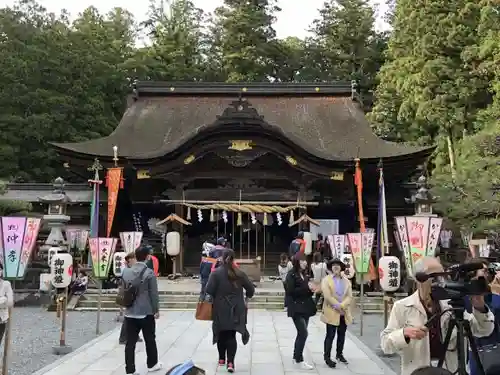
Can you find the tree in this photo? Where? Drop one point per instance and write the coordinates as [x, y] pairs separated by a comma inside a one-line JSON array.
[[9, 207], [426, 90], [60, 82], [345, 44], [244, 41], [177, 45], [471, 198]]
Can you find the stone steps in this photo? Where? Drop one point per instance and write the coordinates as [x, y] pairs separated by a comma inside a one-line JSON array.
[[187, 300]]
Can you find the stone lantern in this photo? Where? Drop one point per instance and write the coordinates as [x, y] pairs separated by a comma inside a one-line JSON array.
[[56, 217], [422, 199]]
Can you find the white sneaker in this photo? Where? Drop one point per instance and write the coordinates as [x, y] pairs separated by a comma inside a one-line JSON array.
[[304, 365], [156, 367]]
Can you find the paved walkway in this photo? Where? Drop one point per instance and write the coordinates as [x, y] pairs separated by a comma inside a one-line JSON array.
[[180, 336]]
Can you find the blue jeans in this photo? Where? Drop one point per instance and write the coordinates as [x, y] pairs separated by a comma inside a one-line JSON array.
[[300, 323]]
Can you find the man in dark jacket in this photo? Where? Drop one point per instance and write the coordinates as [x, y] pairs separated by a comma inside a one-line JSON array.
[[206, 266]]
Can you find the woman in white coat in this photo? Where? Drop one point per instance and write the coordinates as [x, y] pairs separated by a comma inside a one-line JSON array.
[[418, 345], [6, 302]]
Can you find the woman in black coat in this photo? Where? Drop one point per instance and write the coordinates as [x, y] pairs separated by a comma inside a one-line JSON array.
[[229, 313], [299, 291]]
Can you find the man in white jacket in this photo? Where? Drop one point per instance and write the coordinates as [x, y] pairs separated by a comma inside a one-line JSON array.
[[418, 345], [6, 302]]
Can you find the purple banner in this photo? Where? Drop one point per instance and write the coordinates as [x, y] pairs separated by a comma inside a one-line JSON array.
[[13, 237]]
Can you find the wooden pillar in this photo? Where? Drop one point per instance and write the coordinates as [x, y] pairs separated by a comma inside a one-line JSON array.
[[179, 211], [302, 211]]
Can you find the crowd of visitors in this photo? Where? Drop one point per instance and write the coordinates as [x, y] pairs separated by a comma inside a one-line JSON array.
[[412, 331]]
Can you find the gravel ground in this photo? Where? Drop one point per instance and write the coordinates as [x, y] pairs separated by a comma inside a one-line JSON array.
[[35, 331], [372, 326]]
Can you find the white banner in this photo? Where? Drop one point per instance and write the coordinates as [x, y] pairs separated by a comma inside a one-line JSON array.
[[130, 241], [326, 227]]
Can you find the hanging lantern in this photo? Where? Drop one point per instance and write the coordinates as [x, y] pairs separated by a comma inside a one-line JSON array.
[[173, 244], [239, 220], [253, 218], [389, 270], [279, 219], [212, 216], [224, 216], [349, 265], [292, 219], [188, 216], [264, 220], [200, 216]]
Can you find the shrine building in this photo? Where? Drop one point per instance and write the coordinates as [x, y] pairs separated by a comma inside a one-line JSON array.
[[219, 147]]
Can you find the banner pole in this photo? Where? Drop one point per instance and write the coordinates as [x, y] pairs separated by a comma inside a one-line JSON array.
[[99, 298], [361, 304]]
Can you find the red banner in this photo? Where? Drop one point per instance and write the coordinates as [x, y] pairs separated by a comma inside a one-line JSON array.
[[358, 181], [114, 182]]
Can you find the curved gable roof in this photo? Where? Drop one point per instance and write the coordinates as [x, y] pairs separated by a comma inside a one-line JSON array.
[[331, 125]]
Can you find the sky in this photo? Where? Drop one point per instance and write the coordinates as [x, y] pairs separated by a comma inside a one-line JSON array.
[[293, 20]]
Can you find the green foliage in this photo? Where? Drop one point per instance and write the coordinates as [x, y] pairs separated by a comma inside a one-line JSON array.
[[8, 207], [60, 82], [429, 88], [244, 39], [176, 52], [345, 45], [67, 81], [472, 200]]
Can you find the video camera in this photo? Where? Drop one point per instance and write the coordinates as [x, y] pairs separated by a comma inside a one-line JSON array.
[[456, 282]]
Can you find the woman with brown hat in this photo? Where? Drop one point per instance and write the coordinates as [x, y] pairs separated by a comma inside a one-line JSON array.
[[337, 294]]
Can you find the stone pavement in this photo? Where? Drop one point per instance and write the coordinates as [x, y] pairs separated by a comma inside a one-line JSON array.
[[180, 337]]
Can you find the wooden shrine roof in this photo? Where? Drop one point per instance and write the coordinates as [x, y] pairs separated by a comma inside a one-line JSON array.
[[325, 120]]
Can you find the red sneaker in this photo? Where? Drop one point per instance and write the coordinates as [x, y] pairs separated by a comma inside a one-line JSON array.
[[230, 367], [222, 362]]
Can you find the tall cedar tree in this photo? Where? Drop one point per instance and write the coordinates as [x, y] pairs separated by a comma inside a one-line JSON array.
[[244, 40], [175, 30], [472, 198], [60, 82], [426, 90], [345, 45]]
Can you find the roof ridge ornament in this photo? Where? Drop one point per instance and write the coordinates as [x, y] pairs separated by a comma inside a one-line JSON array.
[[240, 109]]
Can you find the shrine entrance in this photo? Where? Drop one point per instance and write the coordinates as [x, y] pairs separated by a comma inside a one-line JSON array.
[[258, 230]]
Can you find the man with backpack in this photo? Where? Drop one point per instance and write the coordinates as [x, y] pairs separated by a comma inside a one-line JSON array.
[[129, 261], [298, 245], [139, 295]]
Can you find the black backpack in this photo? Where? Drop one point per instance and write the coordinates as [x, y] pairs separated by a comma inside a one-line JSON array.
[[127, 293]]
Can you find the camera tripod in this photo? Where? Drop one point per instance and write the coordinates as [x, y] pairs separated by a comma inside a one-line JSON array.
[[464, 330]]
